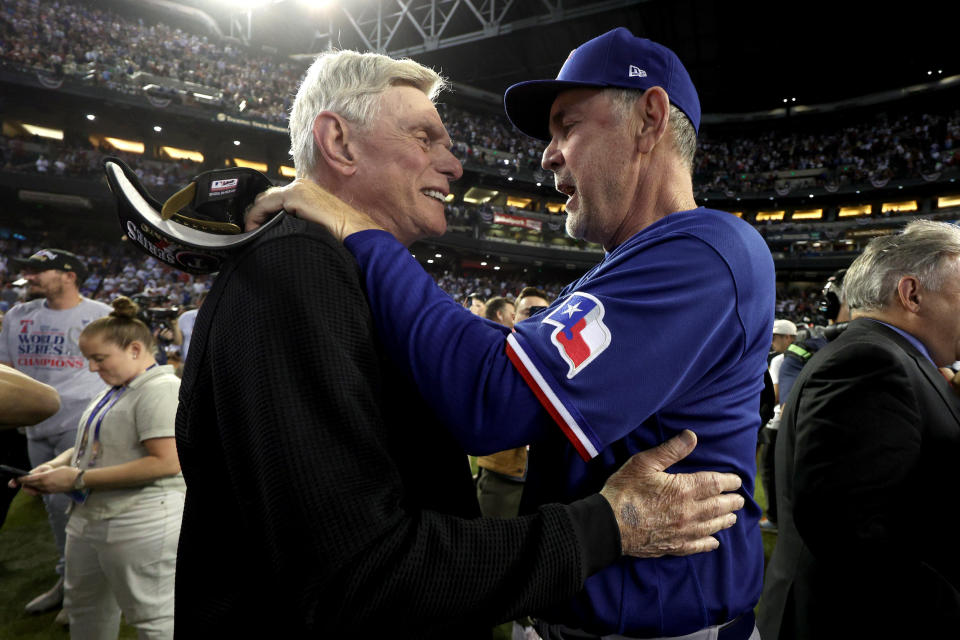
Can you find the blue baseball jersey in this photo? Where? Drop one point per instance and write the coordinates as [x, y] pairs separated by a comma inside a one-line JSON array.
[[670, 331]]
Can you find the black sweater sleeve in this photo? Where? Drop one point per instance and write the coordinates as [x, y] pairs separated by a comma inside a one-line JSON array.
[[295, 496]]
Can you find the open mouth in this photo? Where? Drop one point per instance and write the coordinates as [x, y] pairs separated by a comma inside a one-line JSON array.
[[433, 193], [566, 189]]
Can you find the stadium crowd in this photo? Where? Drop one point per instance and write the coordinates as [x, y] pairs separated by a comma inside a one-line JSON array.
[[117, 269], [92, 44]]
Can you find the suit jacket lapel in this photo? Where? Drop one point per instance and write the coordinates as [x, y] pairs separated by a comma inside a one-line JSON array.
[[930, 372]]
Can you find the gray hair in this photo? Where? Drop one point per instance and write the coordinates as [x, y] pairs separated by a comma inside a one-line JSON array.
[[920, 250], [349, 84], [684, 135]]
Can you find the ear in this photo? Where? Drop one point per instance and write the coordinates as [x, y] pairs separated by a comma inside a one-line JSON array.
[[332, 139], [909, 293], [653, 111], [135, 349]]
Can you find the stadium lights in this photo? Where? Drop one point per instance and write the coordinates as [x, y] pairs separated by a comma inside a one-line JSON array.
[[430, 261], [236, 143], [510, 178], [43, 132], [130, 146], [437, 255], [496, 268], [948, 201], [250, 164], [248, 5], [182, 154], [538, 184], [316, 4], [899, 207], [91, 117], [483, 264]]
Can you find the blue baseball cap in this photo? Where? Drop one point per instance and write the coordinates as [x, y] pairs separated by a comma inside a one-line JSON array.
[[616, 59]]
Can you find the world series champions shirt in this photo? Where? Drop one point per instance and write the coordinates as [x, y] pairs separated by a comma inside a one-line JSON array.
[[669, 332], [43, 343]]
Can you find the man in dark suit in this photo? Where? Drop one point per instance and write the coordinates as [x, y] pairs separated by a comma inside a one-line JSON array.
[[866, 457]]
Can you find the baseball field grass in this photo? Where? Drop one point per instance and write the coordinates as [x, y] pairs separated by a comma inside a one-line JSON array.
[[27, 557]]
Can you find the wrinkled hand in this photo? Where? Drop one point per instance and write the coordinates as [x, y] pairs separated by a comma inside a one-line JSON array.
[[670, 514], [49, 480], [309, 201]]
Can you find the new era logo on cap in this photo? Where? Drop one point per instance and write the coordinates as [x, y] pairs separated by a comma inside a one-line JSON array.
[[600, 63]]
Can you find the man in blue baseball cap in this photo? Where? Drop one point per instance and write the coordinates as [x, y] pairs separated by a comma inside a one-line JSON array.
[[670, 331]]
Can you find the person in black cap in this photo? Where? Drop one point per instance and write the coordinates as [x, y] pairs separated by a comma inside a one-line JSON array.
[[39, 338], [670, 331]]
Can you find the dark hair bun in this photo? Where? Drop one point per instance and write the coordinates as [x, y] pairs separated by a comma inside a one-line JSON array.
[[124, 307]]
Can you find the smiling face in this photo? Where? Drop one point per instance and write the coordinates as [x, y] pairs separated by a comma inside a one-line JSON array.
[[591, 155], [404, 166]]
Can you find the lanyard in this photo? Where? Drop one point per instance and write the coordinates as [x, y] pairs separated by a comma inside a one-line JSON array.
[[111, 397]]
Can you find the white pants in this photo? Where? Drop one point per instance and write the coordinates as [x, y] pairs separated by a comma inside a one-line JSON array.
[[126, 563]]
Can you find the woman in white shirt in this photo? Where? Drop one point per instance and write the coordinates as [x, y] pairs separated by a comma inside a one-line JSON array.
[[124, 477]]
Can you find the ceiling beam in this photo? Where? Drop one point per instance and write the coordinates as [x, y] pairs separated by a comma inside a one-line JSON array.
[[429, 27]]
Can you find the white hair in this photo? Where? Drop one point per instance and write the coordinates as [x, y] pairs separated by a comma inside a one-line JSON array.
[[684, 135], [920, 250], [349, 84]]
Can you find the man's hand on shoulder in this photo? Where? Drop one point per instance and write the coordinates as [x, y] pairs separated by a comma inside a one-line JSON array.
[[307, 200], [663, 513]]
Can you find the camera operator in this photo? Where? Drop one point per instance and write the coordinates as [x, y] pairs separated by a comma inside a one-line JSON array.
[[834, 308], [162, 321]]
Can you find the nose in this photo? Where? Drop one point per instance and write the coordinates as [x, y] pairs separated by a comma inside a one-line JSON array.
[[552, 158], [448, 164]]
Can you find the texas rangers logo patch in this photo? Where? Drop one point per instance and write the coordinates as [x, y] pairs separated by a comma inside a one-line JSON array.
[[580, 335]]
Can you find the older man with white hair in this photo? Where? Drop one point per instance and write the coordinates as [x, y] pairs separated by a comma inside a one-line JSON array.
[[669, 332], [325, 498]]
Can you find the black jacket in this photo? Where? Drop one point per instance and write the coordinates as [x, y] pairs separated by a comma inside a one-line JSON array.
[[866, 461], [323, 497]]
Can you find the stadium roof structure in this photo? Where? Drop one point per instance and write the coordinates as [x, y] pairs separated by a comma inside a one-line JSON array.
[[743, 56]]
